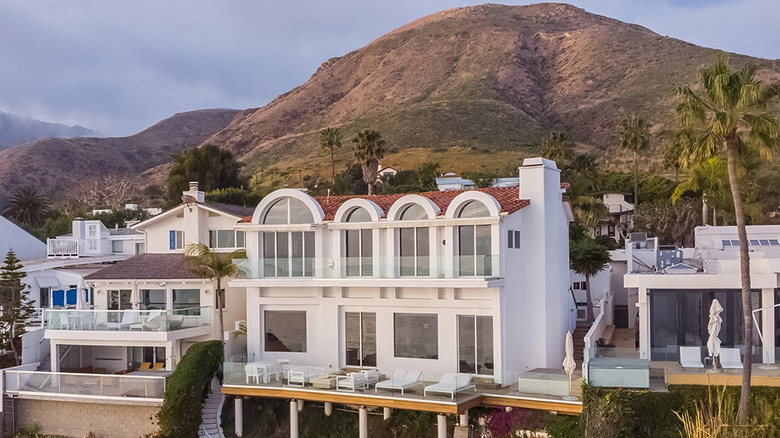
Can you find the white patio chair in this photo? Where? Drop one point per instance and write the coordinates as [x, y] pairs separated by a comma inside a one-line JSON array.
[[300, 376], [690, 357], [451, 383], [730, 359], [372, 376], [128, 319], [400, 379], [351, 381], [252, 373]]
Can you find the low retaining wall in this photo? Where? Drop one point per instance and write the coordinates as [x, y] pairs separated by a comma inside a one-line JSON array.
[[77, 419]]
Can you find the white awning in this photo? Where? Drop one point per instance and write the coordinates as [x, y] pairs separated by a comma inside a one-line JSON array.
[[47, 281]]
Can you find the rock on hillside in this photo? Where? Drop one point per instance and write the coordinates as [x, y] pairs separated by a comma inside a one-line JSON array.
[[497, 77], [58, 166]]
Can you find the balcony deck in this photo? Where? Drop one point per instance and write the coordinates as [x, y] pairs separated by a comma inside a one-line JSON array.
[[235, 383], [674, 374]]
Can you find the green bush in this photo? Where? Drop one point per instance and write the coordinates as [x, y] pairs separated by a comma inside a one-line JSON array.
[[185, 390]]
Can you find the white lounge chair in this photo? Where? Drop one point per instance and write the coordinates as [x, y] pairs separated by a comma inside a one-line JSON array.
[[128, 319], [300, 376], [450, 383], [730, 359], [401, 379], [690, 357], [252, 373], [351, 381]]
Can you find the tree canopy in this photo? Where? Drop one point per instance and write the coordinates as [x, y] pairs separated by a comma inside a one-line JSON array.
[[212, 167], [369, 149], [28, 206], [16, 305]]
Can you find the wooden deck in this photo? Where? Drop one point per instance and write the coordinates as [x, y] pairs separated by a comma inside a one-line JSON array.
[[674, 374]]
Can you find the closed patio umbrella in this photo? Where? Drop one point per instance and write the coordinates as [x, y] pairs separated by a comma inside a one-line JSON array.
[[135, 296], [81, 296], [569, 365], [713, 328]]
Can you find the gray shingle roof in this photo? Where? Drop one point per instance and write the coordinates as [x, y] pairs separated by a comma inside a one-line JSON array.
[[147, 267], [235, 210]]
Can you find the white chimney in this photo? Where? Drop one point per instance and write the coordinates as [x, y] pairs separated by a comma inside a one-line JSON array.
[[193, 194]]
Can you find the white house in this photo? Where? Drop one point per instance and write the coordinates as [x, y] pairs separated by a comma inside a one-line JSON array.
[[469, 281], [621, 217], [676, 287], [23, 244]]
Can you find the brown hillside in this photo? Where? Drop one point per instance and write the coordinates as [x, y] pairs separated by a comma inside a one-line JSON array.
[[58, 166], [490, 77]]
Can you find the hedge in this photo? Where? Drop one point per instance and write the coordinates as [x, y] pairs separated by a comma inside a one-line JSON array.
[[186, 389]]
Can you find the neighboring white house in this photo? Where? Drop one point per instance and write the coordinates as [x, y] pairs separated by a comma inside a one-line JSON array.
[[620, 220], [675, 288], [23, 244], [91, 238], [469, 281], [446, 183]]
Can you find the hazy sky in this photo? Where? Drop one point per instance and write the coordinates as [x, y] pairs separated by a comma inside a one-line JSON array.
[[120, 66]]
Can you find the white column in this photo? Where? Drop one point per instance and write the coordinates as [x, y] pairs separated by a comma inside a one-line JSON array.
[[363, 422], [328, 408], [441, 426], [768, 325], [300, 405], [464, 418], [293, 419], [239, 407], [386, 412]]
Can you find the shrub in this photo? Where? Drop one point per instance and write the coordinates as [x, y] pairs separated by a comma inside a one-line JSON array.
[[185, 390]]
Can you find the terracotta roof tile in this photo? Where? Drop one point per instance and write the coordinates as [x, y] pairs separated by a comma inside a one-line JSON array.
[[146, 267]]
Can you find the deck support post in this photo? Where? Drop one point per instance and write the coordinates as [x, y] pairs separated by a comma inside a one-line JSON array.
[[239, 408], [293, 419], [464, 419], [300, 405], [363, 422], [441, 426], [328, 408], [386, 413]]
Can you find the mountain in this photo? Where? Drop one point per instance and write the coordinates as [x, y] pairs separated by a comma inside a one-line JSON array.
[[16, 130], [59, 166], [473, 88]]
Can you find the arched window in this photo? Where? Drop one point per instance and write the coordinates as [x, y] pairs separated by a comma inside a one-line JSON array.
[[358, 246], [473, 209], [288, 253], [474, 242], [358, 214], [288, 211], [413, 243], [413, 212]]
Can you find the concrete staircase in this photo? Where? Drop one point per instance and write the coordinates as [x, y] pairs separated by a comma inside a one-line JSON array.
[[212, 410], [579, 343]]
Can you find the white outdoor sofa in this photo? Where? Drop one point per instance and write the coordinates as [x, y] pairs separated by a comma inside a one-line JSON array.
[[451, 383], [302, 375], [400, 379], [351, 381], [730, 359], [690, 357]]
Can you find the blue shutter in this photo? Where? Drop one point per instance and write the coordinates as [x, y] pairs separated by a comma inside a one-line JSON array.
[[70, 297], [172, 239], [58, 298]]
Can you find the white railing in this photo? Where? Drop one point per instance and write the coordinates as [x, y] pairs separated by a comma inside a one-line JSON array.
[[595, 332], [17, 381], [69, 247], [127, 320]]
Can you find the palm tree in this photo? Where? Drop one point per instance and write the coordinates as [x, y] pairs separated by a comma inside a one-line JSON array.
[[588, 258], [209, 264], [330, 139], [557, 146], [28, 206], [426, 175], [730, 111], [634, 137], [369, 149]]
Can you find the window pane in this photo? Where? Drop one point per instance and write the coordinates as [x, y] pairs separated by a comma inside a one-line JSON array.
[[308, 253], [366, 251], [474, 209], [297, 253], [240, 239], [212, 238], [517, 239], [299, 212], [285, 331], [466, 346], [485, 345], [466, 250], [510, 239], [423, 261], [226, 239], [352, 245], [406, 251], [352, 333], [282, 254], [277, 213], [483, 250], [413, 212], [416, 335], [368, 328], [186, 299], [358, 215], [269, 254], [152, 299]]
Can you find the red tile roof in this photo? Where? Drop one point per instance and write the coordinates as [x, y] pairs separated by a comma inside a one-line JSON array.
[[507, 197]]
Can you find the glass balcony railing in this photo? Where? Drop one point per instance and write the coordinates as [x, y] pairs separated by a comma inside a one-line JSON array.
[[97, 385], [127, 320], [469, 266]]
